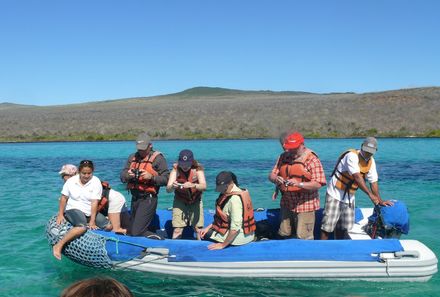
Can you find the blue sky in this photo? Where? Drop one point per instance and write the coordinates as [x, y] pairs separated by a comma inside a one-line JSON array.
[[62, 52]]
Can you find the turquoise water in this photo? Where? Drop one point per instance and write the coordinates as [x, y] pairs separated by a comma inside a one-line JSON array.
[[409, 170]]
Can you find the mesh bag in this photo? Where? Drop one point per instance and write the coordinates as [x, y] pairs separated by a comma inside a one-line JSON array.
[[88, 249]]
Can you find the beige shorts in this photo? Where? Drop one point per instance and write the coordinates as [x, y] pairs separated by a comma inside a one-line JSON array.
[[115, 201], [302, 224], [187, 214]]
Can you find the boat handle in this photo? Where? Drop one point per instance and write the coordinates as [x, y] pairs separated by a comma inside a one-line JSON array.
[[412, 254]]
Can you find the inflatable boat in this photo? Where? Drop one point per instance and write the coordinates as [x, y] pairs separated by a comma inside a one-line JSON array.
[[358, 258]]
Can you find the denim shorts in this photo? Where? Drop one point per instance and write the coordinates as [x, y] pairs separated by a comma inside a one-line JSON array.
[[78, 219]]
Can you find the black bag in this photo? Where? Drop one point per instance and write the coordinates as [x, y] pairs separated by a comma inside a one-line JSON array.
[[265, 230]]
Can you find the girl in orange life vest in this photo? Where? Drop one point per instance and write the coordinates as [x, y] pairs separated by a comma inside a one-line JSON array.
[[234, 222], [78, 204], [111, 201], [187, 180]]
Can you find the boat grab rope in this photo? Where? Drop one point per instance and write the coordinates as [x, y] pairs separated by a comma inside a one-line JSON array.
[[88, 249]]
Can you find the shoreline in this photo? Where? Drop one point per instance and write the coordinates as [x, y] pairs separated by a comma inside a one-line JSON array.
[[200, 139]]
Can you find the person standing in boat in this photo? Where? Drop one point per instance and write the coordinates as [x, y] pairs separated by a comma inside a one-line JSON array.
[[298, 174], [187, 180], [234, 222], [144, 172], [352, 169], [112, 203], [78, 204]]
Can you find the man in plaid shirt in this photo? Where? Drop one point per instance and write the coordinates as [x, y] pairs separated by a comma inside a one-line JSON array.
[[298, 173]]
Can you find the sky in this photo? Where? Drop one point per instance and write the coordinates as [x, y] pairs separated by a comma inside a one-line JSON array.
[[63, 52]]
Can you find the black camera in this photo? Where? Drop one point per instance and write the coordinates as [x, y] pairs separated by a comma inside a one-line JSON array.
[[137, 173]]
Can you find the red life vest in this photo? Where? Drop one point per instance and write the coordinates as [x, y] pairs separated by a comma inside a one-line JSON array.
[[189, 196], [346, 181], [145, 164], [290, 168], [103, 203], [222, 223]]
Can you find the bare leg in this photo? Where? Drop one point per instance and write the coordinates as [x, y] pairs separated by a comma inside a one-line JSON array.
[[115, 220], [177, 233], [71, 235]]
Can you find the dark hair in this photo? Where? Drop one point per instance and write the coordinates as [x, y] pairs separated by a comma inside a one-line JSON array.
[[86, 163], [234, 179], [97, 287]]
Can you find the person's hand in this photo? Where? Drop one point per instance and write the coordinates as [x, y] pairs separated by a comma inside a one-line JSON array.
[[202, 232], [275, 195], [176, 185], [386, 203], [92, 225], [216, 246], [146, 175], [279, 180], [131, 173], [60, 219], [188, 185]]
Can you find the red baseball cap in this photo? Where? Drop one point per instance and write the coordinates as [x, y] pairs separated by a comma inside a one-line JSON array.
[[293, 141]]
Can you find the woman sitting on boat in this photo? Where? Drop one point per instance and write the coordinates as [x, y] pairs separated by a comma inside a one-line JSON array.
[[187, 180], [234, 222], [78, 205], [112, 203]]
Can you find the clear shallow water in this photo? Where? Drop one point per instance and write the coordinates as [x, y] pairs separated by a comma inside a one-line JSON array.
[[409, 170]]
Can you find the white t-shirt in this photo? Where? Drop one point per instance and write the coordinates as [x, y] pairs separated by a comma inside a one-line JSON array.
[[350, 163], [116, 201], [81, 196]]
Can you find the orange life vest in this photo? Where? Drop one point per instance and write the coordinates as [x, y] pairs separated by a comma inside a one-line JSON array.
[[221, 222], [290, 168], [345, 181], [103, 203], [145, 164], [189, 196]]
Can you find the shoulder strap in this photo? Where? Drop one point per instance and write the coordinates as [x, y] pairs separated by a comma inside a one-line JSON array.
[[339, 160]]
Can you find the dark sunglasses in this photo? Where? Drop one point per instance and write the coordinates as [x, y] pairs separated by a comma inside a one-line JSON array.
[[83, 162]]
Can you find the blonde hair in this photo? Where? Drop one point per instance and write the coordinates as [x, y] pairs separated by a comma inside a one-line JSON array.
[[97, 287]]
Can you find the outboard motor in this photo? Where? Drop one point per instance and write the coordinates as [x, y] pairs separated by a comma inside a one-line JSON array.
[[388, 221]]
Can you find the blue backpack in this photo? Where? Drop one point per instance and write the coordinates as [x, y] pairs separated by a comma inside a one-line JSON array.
[[389, 221]]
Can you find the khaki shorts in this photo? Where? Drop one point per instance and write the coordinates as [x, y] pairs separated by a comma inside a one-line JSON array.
[[187, 214], [303, 224]]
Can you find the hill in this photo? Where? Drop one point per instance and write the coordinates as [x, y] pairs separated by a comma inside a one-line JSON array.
[[224, 113]]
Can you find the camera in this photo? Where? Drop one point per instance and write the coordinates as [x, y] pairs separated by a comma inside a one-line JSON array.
[[137, 173]]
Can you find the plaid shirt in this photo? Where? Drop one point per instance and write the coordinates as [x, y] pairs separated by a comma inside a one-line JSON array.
[[303, 201]]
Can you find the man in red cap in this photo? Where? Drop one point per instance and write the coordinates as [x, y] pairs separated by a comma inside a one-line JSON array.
[[298, 174]]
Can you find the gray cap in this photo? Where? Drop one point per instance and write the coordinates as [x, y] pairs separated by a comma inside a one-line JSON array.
[[143, 141], [369, 145]]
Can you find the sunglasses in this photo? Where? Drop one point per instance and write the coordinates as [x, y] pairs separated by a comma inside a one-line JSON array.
[[83, 162]]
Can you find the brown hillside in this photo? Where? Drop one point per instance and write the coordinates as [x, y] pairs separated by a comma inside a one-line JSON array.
[[223, 113]]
